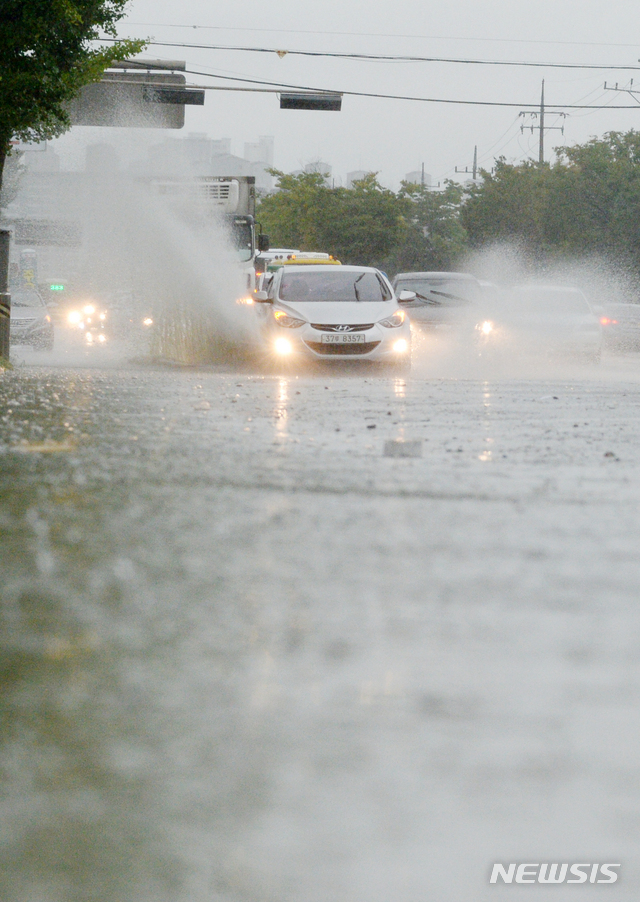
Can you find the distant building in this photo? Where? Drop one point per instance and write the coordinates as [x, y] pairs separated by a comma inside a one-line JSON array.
[[320, 167], [418, 177], [356, 176], [199, 155], [261, 151]]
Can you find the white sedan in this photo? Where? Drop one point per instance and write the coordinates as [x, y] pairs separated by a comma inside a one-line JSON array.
[[335, 313]]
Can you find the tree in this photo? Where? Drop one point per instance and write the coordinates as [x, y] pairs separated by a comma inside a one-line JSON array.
[[46, 56], [359, 225], [365, 222], [586, 204], [293, 215], [509, 204], [432, 235]]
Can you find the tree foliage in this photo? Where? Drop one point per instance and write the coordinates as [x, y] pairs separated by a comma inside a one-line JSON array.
[[46, 56], [586, 202], [366, 224], [433, 237], [359, 225]]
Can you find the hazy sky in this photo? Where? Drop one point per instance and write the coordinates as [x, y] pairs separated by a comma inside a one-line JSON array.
[[394, 137]]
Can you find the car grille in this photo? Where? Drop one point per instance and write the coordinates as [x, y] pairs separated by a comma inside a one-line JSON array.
[[347, 350], [346, 328]]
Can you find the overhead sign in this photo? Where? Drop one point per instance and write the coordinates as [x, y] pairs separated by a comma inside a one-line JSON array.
[[46, 232], [131, 98], [308, 101]]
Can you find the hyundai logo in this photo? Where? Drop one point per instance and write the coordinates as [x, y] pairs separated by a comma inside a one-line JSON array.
[[343, 328]]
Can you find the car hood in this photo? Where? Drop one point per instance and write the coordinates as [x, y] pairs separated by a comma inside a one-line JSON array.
[[339, 312]]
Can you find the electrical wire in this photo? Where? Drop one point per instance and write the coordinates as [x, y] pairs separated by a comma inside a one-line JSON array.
[[372, 57], [373, 34], [278, 87], [493, 103]]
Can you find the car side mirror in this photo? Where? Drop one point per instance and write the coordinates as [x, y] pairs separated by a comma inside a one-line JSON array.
[[263, 243], [261, 297], [405, 297]]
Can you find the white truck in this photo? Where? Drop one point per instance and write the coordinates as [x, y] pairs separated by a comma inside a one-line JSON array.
[[234, 199]]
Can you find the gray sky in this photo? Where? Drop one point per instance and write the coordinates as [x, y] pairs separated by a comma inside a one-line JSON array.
[[395, 136]]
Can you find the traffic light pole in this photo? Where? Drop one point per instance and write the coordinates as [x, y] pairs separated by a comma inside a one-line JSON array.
[[5, 297]]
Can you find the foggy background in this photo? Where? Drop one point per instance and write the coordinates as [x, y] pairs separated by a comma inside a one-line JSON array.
[[390, 136]]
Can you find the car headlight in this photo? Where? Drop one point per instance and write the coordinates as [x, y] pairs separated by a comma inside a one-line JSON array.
[[290, 322], [486, 328], [392, 322], [74, 317], [282, 346]]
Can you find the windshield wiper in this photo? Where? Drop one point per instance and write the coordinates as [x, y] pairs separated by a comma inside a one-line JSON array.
[[451, 297], [431, 301], [355, 285]]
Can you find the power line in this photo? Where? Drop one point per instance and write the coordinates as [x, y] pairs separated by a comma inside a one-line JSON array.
[[277, 87], [373, 57], [376, 34], [494, 103]]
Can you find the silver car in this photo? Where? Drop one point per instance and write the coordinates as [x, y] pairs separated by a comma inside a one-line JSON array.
[[31, 322], [542, 319]]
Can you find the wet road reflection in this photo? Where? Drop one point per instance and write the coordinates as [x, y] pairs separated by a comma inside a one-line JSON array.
[[238, 664]]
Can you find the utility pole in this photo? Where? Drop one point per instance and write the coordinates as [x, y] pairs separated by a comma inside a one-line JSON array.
[[474, 171], [5, 297], [628, 90], [541, 145], [541, 126]]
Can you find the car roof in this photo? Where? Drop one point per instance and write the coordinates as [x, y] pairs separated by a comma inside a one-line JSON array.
[[322, 267]]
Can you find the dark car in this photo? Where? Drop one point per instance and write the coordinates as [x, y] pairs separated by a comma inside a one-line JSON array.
[[442, 298], [31, 322]]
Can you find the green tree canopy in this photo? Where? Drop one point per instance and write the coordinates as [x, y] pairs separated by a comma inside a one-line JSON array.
[[46, 56], [432, 235], [587, 202], [359, 225]]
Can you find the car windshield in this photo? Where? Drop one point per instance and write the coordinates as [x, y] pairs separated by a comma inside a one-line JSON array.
[[333, 285], [25, 298], [442, 292], [539, 300]]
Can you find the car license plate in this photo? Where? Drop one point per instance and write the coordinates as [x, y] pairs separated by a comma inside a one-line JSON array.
[[342, 338]]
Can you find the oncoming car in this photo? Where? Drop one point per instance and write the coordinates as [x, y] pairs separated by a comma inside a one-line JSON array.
[[542, 319], [88, 320], [335, 313], [442, 299]]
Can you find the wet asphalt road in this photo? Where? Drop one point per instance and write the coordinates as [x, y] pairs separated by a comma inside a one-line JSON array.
[[247, 656]]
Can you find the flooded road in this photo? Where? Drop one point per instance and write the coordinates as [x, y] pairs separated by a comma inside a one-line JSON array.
[[333, 636]]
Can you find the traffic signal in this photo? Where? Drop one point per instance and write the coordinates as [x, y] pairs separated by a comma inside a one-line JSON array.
[[308, 101]]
